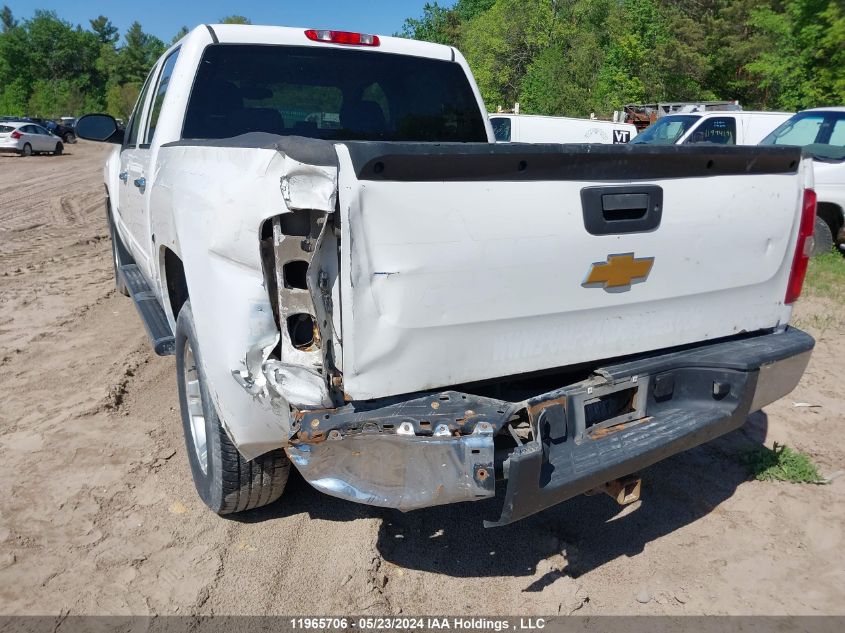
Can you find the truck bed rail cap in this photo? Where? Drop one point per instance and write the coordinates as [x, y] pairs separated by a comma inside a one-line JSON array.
[[420, 162], [305, 150]]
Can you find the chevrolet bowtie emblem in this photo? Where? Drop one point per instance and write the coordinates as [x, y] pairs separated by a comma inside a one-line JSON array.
[[618, 272]]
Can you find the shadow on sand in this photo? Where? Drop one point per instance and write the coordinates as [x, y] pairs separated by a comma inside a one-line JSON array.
[[451, 540]]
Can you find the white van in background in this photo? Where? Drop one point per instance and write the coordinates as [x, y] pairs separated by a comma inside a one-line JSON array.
[[530, 128], [722, 128]]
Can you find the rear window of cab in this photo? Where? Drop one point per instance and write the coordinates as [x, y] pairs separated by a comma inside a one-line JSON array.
[[331, 93]]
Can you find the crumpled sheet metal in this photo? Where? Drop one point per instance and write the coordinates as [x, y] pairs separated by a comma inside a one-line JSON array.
[[401, 471], [299, 386], [306, 186]]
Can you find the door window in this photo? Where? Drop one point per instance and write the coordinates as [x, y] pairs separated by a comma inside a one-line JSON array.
[[667, 130], [135, 118], [158, 98], [719, 130]]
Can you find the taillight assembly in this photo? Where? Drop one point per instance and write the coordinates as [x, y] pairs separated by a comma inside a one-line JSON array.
[[15, 134], [342, 37], [803, 248]]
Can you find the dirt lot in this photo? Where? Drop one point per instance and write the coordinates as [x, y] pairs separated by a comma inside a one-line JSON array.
[[99, 513]]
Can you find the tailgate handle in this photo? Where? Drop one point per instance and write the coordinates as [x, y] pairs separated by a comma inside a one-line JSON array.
[[621, 209], [624, 206]]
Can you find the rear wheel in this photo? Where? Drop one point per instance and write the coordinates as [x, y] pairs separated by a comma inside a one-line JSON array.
[[27, 150], [59, 149], [69, 138], [823, 237], [225, 481]]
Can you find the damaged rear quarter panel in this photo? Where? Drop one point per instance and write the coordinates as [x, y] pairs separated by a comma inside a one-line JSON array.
[[223, 197]]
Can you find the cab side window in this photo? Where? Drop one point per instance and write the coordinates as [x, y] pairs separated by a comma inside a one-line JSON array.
[[719, 130], [135, 118], [158, 96]]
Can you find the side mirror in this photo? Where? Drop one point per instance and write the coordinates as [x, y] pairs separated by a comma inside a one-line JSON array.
[[99, 127]]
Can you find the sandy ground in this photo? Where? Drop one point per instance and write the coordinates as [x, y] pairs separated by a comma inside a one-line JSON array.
[[99, 513]]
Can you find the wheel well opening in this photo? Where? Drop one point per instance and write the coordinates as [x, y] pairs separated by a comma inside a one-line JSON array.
[[177, 287], [831, 214]]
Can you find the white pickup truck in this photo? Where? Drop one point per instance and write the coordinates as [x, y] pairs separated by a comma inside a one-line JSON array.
[[821, 132], [356, 279]]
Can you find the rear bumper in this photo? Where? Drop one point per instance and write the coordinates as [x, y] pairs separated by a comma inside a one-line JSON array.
[[436, 448], [9, 149]]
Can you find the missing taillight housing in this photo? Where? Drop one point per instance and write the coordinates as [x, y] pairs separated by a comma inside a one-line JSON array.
[[803, 247], [342, 37]]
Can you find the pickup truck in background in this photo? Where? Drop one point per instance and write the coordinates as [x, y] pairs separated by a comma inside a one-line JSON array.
[[356, 279], [821, 133]]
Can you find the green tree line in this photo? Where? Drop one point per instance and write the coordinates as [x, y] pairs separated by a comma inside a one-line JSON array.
[[50, 67], [574, 57], [553, 56]]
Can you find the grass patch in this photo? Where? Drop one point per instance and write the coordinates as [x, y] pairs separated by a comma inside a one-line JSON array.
[[826, 276], [781, 463]]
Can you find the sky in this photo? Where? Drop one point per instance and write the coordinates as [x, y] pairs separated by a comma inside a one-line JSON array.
[[164, 18]]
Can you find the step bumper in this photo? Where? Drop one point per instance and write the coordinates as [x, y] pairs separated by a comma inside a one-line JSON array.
[[436, 448]]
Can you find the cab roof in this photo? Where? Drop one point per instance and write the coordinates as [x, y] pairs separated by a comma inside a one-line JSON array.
[[291, 36]]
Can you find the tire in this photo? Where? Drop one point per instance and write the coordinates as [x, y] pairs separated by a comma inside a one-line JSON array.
[[823, 237], [225, 481], [69, 138], [59, 149], [120, 256], [27, 150]]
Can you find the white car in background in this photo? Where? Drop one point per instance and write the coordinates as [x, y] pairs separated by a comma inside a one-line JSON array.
[[721, 128], [821, 132], [530, 128], [26, 139]]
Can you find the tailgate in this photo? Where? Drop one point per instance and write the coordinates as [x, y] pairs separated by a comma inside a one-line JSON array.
[[468, 262]]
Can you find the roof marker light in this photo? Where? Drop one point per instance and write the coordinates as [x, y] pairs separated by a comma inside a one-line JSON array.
[[342, 37]]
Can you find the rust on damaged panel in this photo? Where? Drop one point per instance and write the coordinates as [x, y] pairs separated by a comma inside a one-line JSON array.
[[605, 431]]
